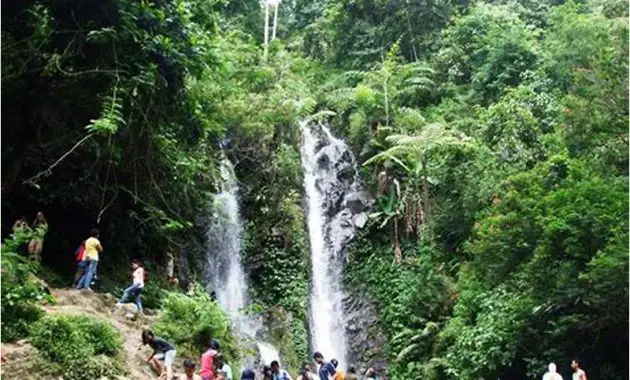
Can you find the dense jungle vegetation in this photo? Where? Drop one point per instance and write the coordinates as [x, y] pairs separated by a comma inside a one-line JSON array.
[[493, 136]]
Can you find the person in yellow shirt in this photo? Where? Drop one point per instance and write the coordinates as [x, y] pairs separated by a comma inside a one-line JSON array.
[[339, 374], [93, 248]]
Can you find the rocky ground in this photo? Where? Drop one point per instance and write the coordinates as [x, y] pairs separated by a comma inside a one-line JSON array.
[[19, 359]]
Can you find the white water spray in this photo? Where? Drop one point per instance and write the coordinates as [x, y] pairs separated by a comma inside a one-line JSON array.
[[224, 269], [335, 209]]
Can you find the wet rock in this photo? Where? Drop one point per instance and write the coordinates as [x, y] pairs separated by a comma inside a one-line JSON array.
[[358, 202], [366, 338], [359, 220]]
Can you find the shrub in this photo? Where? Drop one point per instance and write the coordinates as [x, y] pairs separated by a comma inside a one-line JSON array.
[[82, 347], [20, 291], [190, 321]]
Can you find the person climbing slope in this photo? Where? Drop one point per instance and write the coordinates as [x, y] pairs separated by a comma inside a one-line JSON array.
[[326, 369], [279, 374], [339, 374], [80, 259], [189, 371], [163, 351], [93, 248], [135, 290]]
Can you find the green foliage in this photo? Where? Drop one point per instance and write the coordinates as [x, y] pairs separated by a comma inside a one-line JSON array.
[[21, 291], [83, 347], [190, 322]]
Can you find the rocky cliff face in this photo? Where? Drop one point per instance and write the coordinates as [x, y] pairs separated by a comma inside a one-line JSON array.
[[366, 338]]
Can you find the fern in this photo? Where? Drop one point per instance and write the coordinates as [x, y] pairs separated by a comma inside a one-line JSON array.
[[111, 117]]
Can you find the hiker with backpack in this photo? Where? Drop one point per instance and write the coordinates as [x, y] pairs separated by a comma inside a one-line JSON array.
[[135, 290]]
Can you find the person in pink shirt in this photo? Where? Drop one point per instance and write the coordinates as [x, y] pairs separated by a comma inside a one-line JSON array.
[[207, 360]]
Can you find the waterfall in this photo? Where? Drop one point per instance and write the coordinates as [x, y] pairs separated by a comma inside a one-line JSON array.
[[224, 271], [336, 207]]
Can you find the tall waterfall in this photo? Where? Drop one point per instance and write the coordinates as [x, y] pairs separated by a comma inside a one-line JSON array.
[[224, 271], [336, 207]]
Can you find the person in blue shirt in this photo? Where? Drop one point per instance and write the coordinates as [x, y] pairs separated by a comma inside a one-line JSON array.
[[279, 374], [326, 369]]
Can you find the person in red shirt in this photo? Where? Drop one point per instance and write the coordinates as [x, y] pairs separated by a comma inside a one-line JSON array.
[[207, 360]]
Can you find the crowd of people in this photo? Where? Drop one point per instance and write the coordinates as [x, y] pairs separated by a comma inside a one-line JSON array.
[[212, 364]]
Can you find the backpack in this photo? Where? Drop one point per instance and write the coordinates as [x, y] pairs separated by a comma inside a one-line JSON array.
[[80, 252]]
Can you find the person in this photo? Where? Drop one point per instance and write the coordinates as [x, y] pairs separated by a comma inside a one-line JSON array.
[[135, 290], [248, 374], [326, 369], [40, 227], [170, 267], [222, 367], [552, 374], [370, 374], [189, 371], [93, 248], [21, 225], [352, 374], [266, 373], [306, 373], [339, 374], [163, 351], [80, 259], [279, 374], [207, 360], [578, 373]]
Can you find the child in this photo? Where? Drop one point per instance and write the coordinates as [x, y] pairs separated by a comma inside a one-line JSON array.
[[135, 290], [163, 351], [189, 369]]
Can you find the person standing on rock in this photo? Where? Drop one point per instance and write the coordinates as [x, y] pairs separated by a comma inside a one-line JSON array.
[[326, 369], [339, 374], [135, 290], [36, 245], [578, 373], [163, 351], [189, 371], [93, 248]]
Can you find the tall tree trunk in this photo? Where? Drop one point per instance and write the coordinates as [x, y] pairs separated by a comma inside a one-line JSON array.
[[266, 44], [275, 21]]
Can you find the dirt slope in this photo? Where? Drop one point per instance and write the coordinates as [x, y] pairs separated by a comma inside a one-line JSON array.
[[17, 359]]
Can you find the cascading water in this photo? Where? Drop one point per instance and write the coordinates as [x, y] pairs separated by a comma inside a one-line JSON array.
[[224, 270], [336, 207]]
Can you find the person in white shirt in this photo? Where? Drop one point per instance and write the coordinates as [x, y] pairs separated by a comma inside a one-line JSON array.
[[135, 290], [222, 367], [552, 374], [578, 373]]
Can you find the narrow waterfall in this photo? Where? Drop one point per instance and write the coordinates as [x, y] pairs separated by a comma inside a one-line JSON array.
[[336, 207], [224, 271]]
